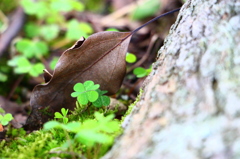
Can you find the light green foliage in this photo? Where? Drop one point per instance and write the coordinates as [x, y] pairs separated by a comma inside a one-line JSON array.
[[50, 9], [74, 139], [131, 58], [13, 132], [86, 92], [146, 9], [35, 145], [111, 29], [49, 20], [31, 29], [62, 116], [141, 72], [32, 48], [91, 131], [75, 30], [86, 133], [131, 106], [22, 65], [3, 77], [53, 62], [4, 69], [49, 32], [83, 112], [5, 118]]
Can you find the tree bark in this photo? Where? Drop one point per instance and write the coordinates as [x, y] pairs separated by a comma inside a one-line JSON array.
[[190, 106]]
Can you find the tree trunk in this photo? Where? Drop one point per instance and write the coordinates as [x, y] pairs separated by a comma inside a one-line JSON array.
[[190, 106]]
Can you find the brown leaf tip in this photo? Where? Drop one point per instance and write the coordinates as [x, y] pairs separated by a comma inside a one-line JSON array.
[[78, 43], [47, 75]]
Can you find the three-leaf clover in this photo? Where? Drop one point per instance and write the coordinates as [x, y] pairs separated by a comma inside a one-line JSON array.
[[63, 115], [31, 48], [86, 92], [23, 65], [102, 99], [5, 119]]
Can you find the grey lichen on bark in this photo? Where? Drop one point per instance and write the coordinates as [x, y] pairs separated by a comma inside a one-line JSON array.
[[190, 107]]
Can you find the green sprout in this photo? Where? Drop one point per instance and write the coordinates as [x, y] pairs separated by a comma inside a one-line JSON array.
[[5, 118], [62, 116], [91, 131], [141, 72], [131, 58]]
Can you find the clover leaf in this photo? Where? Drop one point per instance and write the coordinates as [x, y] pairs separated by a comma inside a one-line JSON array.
[[102, 99], [32, 48], [76, 30], [86, 92], [22, 65], [5, 119], [131, 58], [141, 72], [62, 116]]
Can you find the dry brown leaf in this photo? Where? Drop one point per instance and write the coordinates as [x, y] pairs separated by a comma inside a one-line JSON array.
[[100, 58]]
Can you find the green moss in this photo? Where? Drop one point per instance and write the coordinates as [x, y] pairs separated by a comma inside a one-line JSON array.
[[34, 145], [132, 105], [58, 142]]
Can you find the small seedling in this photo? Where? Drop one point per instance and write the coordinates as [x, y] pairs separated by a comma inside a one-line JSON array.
[[91, 131], [6, 118], [86, 92], [62, 116], [131, 58], [141, 72]]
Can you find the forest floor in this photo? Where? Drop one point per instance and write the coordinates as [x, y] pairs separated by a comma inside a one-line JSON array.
[[38, 33]]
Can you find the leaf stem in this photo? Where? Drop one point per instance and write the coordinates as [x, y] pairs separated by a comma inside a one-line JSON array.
[[152, 20]]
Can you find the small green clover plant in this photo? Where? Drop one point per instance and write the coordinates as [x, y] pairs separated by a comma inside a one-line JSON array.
[[62, 116], [5, 118], [86, 92], [89, 92], [22, 65], [141, 72], [131, 58], [31, 48]]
